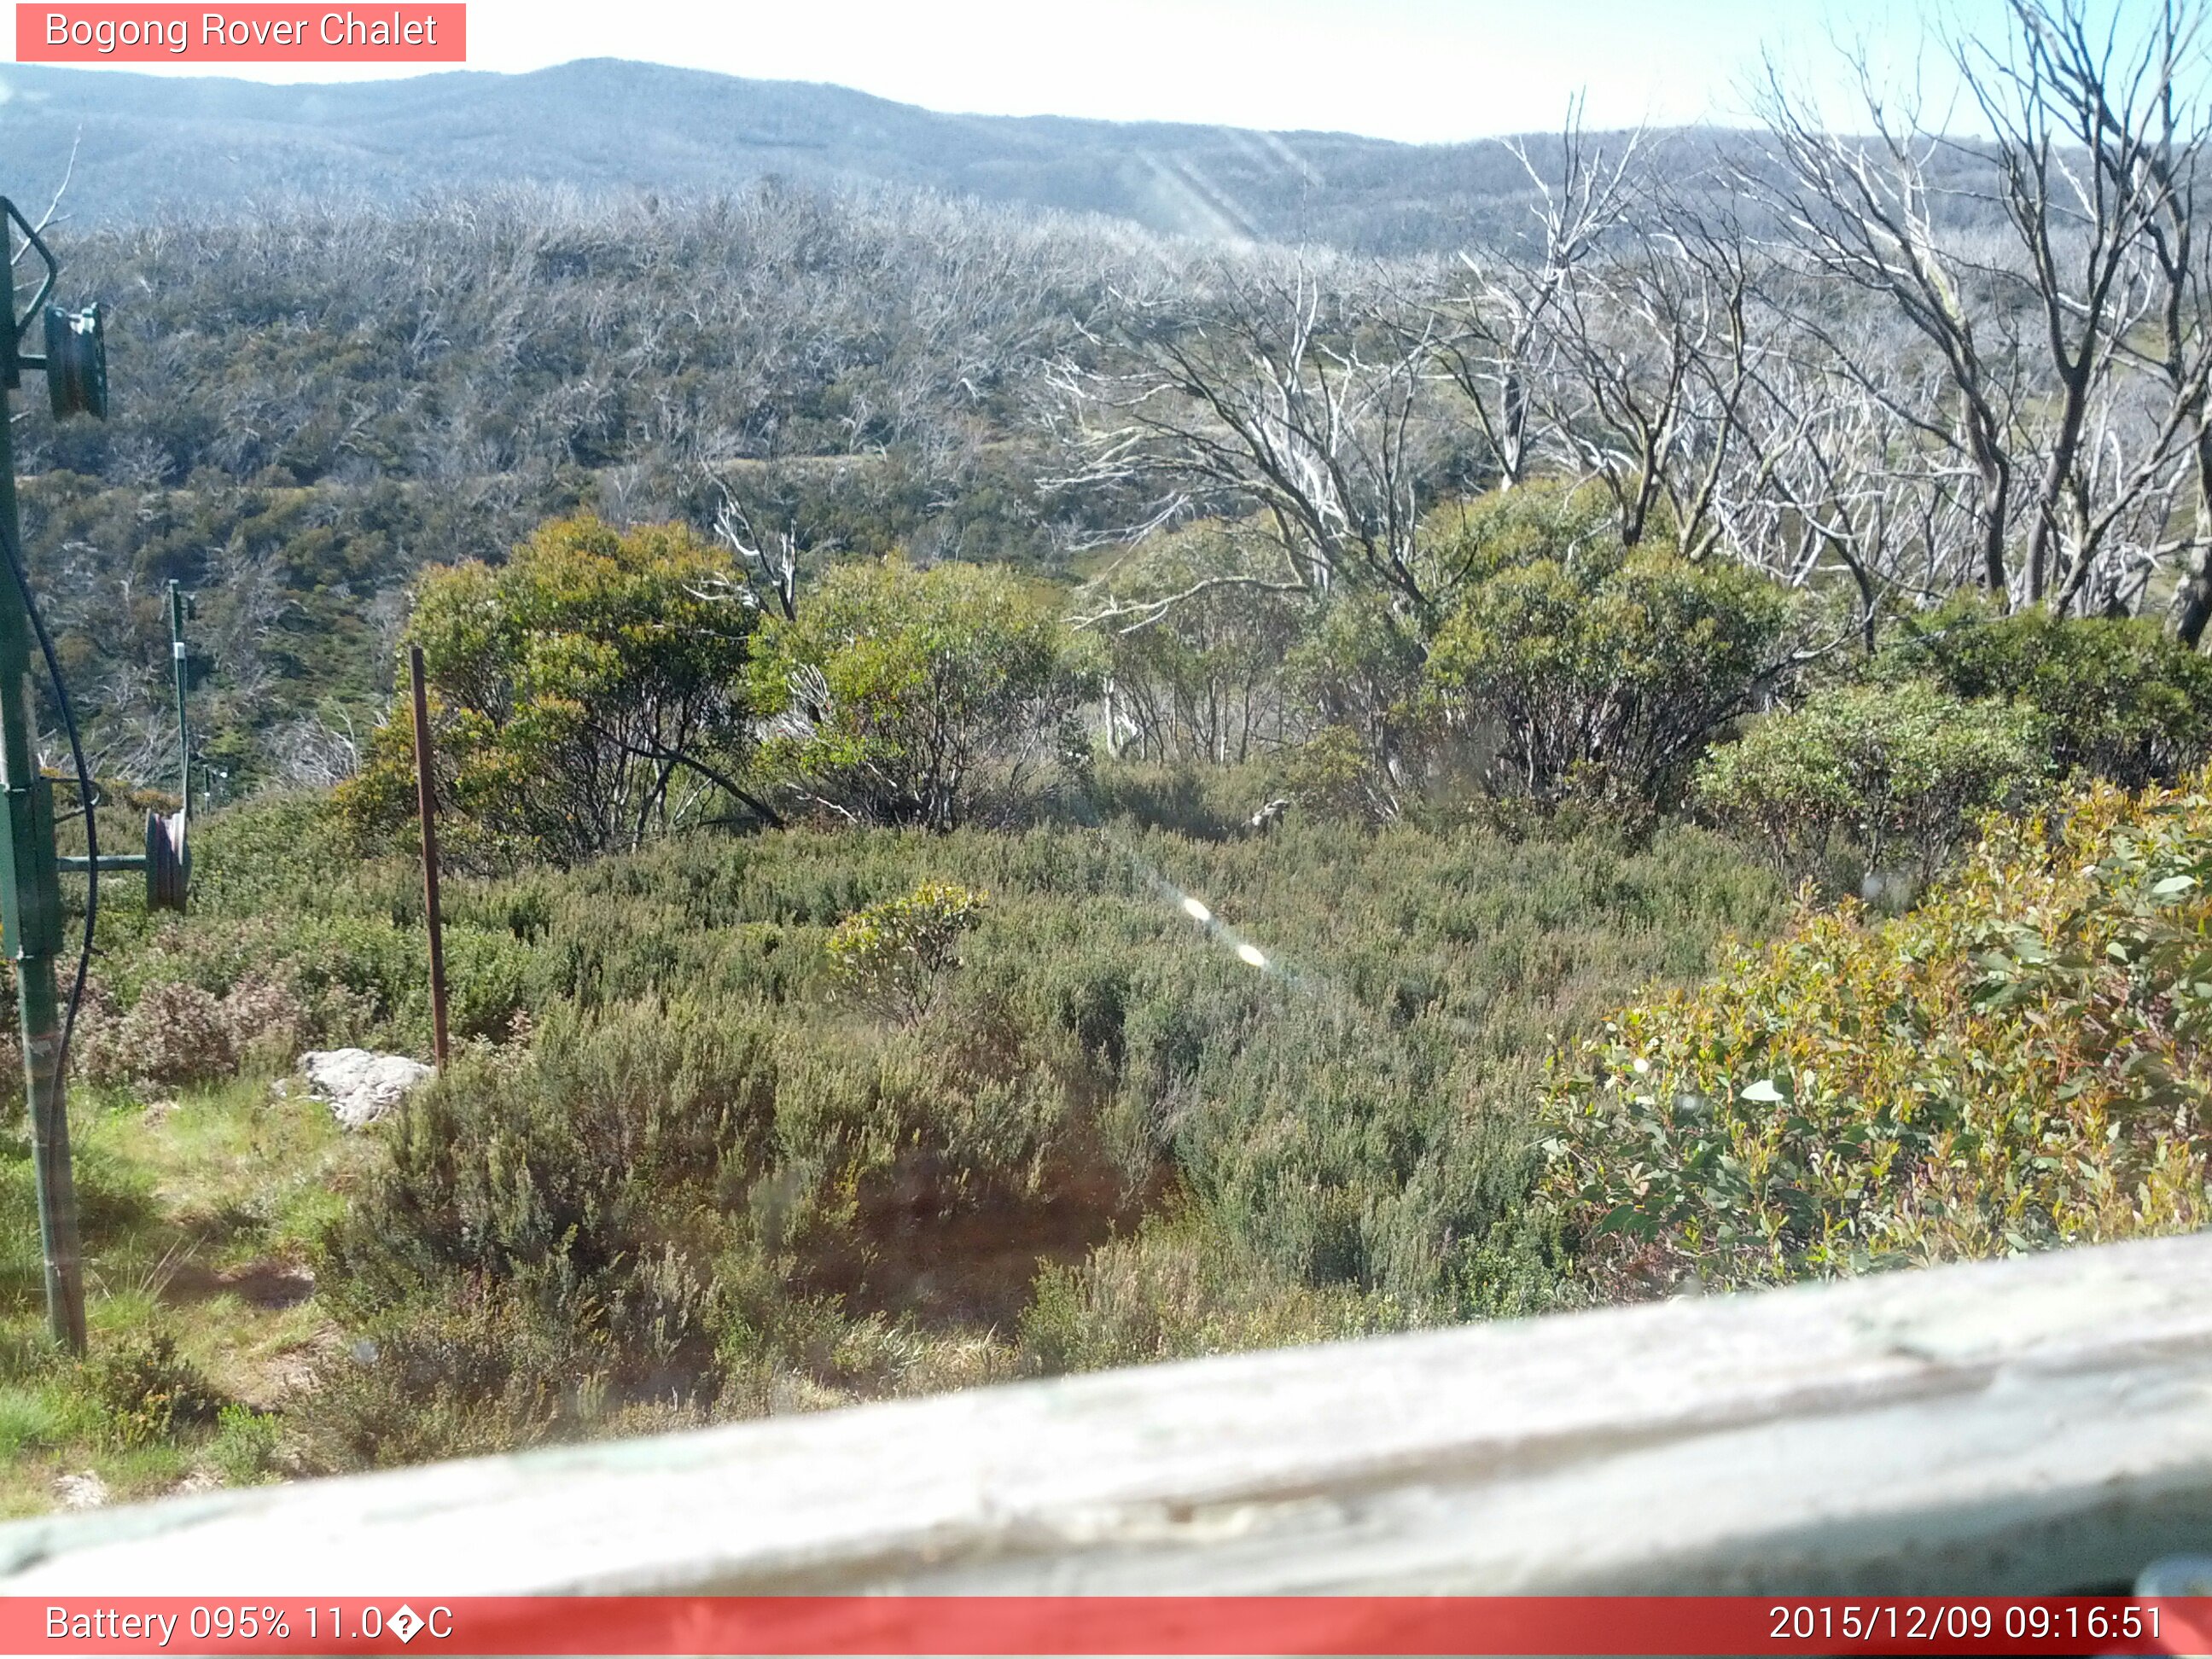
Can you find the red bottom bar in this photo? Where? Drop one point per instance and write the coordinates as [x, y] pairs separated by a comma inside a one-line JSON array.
[[1105, 1624]]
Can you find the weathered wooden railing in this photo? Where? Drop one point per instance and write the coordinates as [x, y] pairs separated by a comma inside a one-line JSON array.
[[2030, 1426]]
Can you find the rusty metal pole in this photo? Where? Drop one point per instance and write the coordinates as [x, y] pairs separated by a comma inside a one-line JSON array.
[[427, 805]]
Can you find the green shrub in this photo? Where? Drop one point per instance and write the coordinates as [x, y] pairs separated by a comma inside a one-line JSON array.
[[1205, 802], [244, 1448], [2019, 1062], [1898, 773], [1597, 670], [706, 1187], [1177, 1291], [1334, 772], [453, 1373], [893, 954], [610, 1203], [175, 1034], [1196, 647], [303, 941], [149, 1390], [585, 696], [1356, 674], [2119, 697], [904, 696]]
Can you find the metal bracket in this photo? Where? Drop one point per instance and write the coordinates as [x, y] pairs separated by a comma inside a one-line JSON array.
[[12, 360], [30, 913]]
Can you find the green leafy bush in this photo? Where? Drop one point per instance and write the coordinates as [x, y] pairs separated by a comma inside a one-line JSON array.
[[1594, 669], [1199, 625], [2119, 698], [245, 1447], [1203, 802], [585, 696], [894, 954], [1897, 774], [1334, 772], [707, 1186], [1356, 675], [2019, 1062], [911, 697]]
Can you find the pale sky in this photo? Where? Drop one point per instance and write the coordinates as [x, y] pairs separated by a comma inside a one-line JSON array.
[[1422, 70]]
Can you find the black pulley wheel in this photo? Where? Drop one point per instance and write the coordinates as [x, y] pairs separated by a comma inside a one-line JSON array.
[[168, 861], [77, 363]]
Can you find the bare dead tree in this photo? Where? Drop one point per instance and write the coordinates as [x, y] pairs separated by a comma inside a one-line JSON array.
[[2158, 156], [2074, 343], [1495, 330], [317, 751], [1302, 400], [1829, 479], [19, 248], [1653, 363], [1861, 211], [775, 571], [2075, 115], [18, 251]]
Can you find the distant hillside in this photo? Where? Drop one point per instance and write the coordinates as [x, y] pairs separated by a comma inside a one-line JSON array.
[[148, 143]]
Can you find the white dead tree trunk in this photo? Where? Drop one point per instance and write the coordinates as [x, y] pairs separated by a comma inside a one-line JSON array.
[[1862, 212], [2072, 341], [1495, 332], [2074, 113], [1653, 357], [1300, 399]]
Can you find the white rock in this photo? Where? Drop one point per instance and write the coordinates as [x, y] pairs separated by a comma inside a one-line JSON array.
[[360, 1084], [81, 1492]]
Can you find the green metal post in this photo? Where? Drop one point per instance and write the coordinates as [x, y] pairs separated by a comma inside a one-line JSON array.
[[30, 930], [177, 662]]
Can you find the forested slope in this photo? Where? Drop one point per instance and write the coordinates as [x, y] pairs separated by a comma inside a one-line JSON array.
[[309, 407]]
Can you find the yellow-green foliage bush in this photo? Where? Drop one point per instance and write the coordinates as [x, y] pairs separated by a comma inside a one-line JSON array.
[[893, 954], [1897, 774], [1586, 668], [583, 698], [2019, 1062], [918, 696]]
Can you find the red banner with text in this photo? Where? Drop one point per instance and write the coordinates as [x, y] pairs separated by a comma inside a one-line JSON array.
[[242, 34], [1163, 1625]]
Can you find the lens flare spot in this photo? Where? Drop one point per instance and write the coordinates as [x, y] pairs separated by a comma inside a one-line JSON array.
[[1252, 954], [1195, 908]]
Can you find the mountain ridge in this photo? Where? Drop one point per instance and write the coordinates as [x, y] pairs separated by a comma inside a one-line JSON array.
[[146, 146]]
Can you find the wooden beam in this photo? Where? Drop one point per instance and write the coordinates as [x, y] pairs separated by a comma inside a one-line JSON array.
[[2027, 1426]]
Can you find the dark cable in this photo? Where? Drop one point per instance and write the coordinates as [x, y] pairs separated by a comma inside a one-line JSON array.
[[84, 788]]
